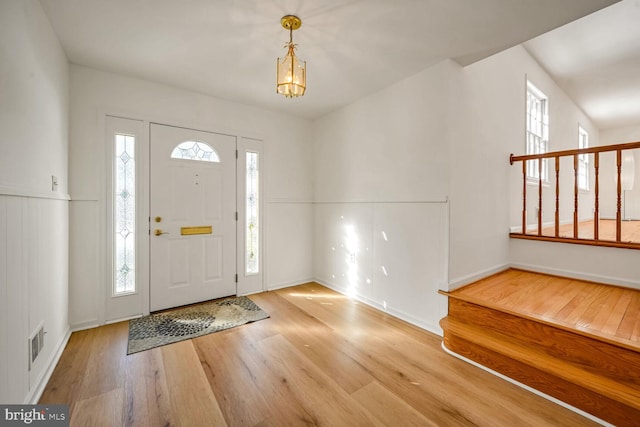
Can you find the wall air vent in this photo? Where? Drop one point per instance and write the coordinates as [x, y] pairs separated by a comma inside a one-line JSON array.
[[36, 342]]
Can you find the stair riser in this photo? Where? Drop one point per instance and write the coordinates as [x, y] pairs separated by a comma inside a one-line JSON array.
[[599, 357], [579, 397]]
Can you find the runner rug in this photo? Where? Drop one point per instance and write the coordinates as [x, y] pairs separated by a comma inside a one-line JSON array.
[[194, 321]]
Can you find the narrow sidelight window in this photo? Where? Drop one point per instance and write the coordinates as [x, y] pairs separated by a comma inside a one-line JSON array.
[[124, 215], [252, 231]]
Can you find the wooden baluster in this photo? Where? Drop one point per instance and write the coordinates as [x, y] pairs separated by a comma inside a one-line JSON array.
[[524, 197], [575, 196], [610, 239], [596, 208], [619, 204], [540, 197], [557, 218]]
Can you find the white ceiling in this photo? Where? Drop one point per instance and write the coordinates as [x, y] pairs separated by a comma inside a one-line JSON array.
[[228, 48], [596, 60]]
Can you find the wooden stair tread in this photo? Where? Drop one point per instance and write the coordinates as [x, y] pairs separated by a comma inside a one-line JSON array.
[[502, 344], [588, 352], [600, 337]]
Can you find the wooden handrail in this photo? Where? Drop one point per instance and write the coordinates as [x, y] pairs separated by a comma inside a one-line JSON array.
[[618, 149], [598, 149]]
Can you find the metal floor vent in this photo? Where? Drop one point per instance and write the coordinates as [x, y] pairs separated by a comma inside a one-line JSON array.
[[36, 342]]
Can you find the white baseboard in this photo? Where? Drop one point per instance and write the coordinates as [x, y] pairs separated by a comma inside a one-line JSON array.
[[34, 395], [123, 319], [427, 326], [463, 281], [251, 293], [276, 286], [528, 388], [474, 277], [578, 275], [84, 325]]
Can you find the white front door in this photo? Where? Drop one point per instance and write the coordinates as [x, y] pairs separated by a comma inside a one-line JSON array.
[[192, 216]]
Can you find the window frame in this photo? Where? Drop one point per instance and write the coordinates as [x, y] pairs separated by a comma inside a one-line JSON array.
[[178, 152], [129, 304], [131, 195], [583, 160], [536, 132], [252, 224]]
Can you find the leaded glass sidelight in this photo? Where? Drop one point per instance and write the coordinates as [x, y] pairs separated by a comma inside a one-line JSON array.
[[124, 213], [252, 231], [195, 150]]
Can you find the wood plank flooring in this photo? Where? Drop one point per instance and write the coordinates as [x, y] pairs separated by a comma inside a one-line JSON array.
[[609, 312], [630, 230], [320, 359]]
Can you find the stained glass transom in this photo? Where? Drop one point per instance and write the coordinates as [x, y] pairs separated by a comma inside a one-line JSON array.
[[195, 150], [124, 213], [252, 251]]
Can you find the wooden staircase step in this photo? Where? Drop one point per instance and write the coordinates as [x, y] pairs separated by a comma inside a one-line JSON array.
[[628, 394], [574, 340], [603, 397], [588, 352], [455, 298]]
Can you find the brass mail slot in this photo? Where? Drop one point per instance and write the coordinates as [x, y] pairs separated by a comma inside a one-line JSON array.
[[199, 229]]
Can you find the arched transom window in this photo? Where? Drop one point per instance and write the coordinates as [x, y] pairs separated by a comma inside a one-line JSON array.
[[195, 150]]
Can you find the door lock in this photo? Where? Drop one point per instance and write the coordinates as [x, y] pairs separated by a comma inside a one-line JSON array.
[[158, 232]]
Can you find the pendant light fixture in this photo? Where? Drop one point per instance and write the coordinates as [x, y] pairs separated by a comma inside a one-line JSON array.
[[291, 72]]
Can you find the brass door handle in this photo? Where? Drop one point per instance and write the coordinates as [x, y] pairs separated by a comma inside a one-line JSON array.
[[158, 232]]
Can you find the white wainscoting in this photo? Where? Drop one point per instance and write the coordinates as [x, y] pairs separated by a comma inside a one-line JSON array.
[[33, 289], [289, 243], [86, 302], [393, 256]]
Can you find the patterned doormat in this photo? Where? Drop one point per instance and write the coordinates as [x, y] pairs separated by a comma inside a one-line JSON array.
[[185, 323]]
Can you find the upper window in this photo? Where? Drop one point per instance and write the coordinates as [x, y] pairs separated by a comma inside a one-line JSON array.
[[195, 150], [583, 160], [537, 131]]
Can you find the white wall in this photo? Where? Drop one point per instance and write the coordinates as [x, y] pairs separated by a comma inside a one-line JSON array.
[[498, 87], [390, 255], [487, 121], [487, 188], [609, 193], [382, 165], [505, 73], [285, 170], [34, 97], [598, 264], [33, 218], [443, 134], [493, 107]]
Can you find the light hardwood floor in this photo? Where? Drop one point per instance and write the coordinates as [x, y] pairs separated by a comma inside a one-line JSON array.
[[320, 359], [630, 230]]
